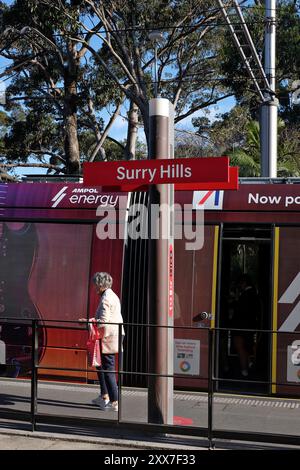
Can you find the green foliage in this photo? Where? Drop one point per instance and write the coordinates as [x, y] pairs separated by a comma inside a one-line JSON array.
[[116, 151], [248, 156], [226, 132], [34, 134], [237, 135]]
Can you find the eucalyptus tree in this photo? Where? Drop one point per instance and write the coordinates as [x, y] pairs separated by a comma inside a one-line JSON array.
[[55, 81], [187, 53]]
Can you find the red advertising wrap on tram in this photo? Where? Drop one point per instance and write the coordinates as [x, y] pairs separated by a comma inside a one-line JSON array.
[[50, 248]]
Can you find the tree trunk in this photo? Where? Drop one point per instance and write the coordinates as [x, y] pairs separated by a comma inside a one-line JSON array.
[[71, 143], [132, 131]]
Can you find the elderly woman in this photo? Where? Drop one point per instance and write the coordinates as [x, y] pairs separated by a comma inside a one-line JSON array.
[[108, 316]]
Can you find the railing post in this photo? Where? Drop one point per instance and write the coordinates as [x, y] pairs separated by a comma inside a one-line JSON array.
[[210, 386], [34, 355], [119, 370]]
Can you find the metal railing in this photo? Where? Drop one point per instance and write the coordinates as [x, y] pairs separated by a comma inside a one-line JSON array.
[[209, 432]]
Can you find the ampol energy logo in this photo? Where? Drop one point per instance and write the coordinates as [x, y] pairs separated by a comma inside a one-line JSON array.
[[85, 196], [208, 200], [59, 196]]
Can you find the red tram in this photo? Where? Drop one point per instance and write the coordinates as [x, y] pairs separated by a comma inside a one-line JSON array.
[[49, 250]]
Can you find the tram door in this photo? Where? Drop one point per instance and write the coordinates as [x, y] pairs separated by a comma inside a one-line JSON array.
[[243, 357], [194, 295]]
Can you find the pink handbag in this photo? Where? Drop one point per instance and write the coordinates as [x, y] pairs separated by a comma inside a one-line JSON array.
[[93, 345], [94, 355]]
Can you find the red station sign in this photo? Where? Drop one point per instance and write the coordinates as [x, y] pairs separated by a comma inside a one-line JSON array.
[[139, 173], [232, 183]]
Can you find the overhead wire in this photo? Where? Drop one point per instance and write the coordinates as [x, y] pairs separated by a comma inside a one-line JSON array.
[[158, 28], [171, 27], [165, 27]]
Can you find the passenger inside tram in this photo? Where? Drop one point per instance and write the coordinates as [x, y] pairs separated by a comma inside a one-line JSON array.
[[245, 317]]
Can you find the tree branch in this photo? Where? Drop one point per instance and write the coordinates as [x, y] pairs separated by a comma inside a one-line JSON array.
[[201, 106], [105, 133]]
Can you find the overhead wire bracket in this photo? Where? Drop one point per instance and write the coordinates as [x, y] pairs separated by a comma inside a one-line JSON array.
[[262, 91]]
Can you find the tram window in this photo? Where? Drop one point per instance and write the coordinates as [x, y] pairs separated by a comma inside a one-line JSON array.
[[245, 250]]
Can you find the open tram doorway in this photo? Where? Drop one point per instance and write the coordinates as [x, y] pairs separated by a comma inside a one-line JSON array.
[[243, 358]]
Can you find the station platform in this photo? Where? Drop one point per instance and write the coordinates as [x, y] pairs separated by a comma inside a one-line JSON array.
[[230, 411]]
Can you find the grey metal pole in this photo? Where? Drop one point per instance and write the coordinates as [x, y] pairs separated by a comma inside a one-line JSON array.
[[269, 108], [161, 271], [155, 71], [155, 36]]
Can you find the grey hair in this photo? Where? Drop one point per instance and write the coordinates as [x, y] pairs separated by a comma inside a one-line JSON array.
[[103, 280]]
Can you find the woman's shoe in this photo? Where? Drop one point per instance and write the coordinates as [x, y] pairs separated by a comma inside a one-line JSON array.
[[99, 402], [112, 406]]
